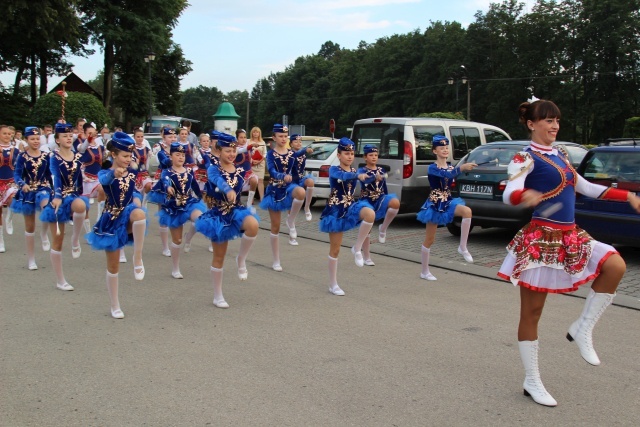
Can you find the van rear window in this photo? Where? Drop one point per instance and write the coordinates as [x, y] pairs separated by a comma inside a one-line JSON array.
[[389, 138], [423, 136]]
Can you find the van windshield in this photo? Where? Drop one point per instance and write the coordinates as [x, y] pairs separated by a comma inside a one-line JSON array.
[[388, 138]]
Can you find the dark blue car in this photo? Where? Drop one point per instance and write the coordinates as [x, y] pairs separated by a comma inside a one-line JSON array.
[[616, 166]]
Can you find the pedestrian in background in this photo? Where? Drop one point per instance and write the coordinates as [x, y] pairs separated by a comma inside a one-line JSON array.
[[258, 158], [8, 189]]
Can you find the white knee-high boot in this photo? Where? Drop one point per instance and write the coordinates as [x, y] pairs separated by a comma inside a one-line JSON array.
[[112, 288], [216, 281], [333, 277], [532, 383], [582, 329], [426, 274]]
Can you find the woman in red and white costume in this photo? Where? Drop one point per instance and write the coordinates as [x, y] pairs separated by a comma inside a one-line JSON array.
[[551, 254]]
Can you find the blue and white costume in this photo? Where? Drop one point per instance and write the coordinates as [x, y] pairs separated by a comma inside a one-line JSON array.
[[342, 211], [34, 172], [110, 232], [223, 221], [300, 174], [440, 206], [176, 209], [67, 186], [375, 192]]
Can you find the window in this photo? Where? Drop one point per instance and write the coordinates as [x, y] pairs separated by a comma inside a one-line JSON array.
[[493, 155], [423, 135], [493, 136], [389, 138], [464, 140], [322, 150], [619, 166]]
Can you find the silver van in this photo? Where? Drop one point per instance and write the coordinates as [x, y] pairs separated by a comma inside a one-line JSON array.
[[404, 149]]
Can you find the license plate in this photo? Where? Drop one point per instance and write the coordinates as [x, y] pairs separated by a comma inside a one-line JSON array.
[[476, 189]]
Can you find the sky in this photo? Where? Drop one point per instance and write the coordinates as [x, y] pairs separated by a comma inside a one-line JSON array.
[[234, 43]]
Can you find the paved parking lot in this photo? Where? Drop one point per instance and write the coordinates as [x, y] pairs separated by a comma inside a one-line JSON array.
[[487, 246]]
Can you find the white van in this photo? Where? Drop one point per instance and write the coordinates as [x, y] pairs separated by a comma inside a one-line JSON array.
[[404, 149]]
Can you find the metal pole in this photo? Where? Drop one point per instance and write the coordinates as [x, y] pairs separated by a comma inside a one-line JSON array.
[[468, 99], [247, 126], [150, 99]]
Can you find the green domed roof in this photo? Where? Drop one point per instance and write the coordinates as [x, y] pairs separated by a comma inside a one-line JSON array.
[[226, 112]]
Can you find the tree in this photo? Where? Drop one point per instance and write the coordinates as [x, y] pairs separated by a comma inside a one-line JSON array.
[[49, 107], [200, 103]]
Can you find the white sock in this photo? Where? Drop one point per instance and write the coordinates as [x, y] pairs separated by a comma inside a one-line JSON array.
[[138, 229], [164, 237], [465, 226], [56, 263], [99, 210], [9, 217], [245, 245], [363, 233], [425, 260], [308, 195], [333, 271], [190, 233], [87, 225], [216, 281], [78, 219], [1, 234], [275, 247], [175, 257], [44, 235], [112, 287], [388, 217], [365, 248], [295, 208], [30, 239], [250, 197]]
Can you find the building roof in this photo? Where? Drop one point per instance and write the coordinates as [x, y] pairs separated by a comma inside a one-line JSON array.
[[75, 84]]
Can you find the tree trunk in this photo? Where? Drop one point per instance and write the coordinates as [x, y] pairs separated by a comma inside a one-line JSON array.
[[19, 74], [109, 65], [34, 93], [43, 74]]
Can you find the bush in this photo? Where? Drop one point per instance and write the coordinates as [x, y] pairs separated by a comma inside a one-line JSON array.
[[631, 128], [49, 107], [441, 115], [15, 111]]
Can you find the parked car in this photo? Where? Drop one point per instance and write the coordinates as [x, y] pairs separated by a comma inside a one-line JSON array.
[[325, 155], [610, 221], [404, 149], [482, 187]]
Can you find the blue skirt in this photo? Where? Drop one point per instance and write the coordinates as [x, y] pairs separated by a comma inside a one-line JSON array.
[[27, 203], [109, 233], [278, 198], [334, 220], [174, 218], [429, 214], [221, 228], [64, 211]]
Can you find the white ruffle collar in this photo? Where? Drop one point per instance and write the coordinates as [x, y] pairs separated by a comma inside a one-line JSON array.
[[550, 151]]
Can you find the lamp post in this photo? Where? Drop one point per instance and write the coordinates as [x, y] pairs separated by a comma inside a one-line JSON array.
[[148, 58], [461, 77]]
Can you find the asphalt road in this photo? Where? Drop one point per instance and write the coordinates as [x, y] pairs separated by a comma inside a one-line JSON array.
[[395, 351]]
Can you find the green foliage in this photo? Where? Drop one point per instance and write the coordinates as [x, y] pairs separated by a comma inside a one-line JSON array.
[[440, 115], [631, 128], [17, 114], [77, 105], [200, 103]]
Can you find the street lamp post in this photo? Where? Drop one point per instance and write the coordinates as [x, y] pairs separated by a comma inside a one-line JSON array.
[[461, 77], [148, 58]]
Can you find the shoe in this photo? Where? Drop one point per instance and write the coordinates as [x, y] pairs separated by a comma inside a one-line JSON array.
[[76, 251], [187, 247], [33, 266], [427, 276], [532, 385], [138, 272], [335, 290], [210, 248], [87, 225], [123, 257], [293, 234], [243, 274], [382, 236], [2, 248], [117, 313], [166, 252], [277, 267], [220, 304], [9, 226], [64, 287], [581, 331], [293, 242], [46, 245], [369, 261], [177, 275], [308, 216], [467, 256], [358, 257]]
